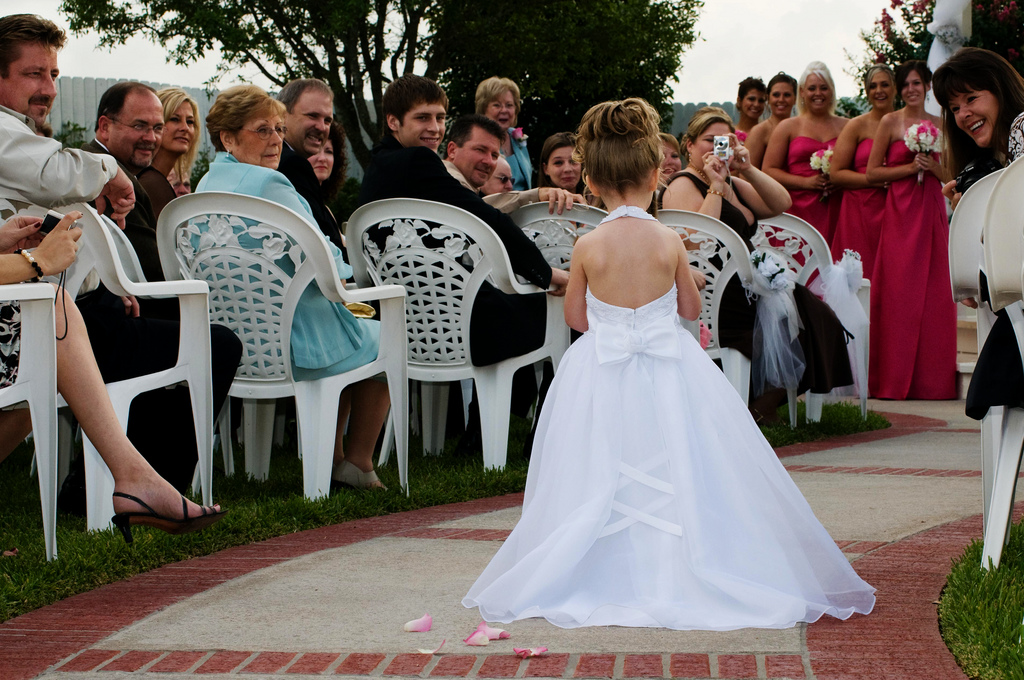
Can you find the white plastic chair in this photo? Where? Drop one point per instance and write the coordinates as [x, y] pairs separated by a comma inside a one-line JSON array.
[[555, 235], [255, 297], [789, 237], [966, 259], [36, 383], [104, 249], [720, 254], [442, 280], [1004, 254]]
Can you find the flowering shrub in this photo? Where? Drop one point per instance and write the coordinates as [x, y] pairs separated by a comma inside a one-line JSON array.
[[901, 33], [998, 25]]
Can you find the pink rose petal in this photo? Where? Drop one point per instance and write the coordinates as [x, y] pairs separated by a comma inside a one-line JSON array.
[[477, 639], [420, 625], [433, 651], [526, 652], [493, 633]]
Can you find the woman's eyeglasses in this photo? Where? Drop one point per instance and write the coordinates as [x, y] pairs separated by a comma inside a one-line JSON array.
[[265, 131]]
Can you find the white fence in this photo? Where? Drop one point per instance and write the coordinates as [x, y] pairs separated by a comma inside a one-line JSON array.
[[78, 99]]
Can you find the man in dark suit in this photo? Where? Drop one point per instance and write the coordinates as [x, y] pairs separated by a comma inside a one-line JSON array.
[[129, 341], [405, 164], [310, 112]]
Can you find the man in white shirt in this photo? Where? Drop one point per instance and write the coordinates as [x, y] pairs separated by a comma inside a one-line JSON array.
[[38, 169]]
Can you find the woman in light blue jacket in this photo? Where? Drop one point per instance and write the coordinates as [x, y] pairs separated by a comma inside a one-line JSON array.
[[498, 99], [245, 126]]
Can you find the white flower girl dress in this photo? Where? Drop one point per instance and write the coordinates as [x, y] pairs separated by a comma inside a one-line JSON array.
[[653, 499]]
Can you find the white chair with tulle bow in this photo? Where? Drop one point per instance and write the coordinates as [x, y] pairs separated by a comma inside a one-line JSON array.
[[720, 253]]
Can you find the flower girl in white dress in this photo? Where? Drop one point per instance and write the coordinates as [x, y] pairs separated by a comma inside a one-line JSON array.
[[652, 498]]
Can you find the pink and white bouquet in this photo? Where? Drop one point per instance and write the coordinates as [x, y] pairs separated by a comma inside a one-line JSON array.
[[922, 137], [821, 160]]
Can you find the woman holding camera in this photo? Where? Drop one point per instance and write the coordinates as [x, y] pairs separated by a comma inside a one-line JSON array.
[[795, 142], [982, 100], [913, 317], [707, 186], [858, 227]]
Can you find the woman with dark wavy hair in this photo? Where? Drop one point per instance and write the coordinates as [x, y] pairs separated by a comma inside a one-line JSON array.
[[329, 162], [982, 100]]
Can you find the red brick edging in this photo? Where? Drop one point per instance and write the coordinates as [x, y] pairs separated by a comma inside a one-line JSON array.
[[899, 639]]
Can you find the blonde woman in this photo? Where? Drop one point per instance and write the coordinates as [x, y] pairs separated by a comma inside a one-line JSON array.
[[498, 99], [177, 150], [795, 141]]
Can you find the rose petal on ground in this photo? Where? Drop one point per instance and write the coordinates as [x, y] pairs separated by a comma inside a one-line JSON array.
[[477, 639], [420, 625], [526, 652], [433, 651], [493, 633]]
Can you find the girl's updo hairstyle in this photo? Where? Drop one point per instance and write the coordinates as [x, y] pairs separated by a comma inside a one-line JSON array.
[[618, 144]]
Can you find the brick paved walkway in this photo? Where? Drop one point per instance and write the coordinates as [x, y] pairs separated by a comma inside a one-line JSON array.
[[898, 640]]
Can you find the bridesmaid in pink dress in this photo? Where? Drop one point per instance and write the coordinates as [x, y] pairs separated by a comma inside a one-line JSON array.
[[859, 226], [781, 100], [913, 316], [787, 159]]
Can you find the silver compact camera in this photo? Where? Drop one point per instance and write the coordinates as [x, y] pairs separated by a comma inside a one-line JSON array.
[[722, 148]]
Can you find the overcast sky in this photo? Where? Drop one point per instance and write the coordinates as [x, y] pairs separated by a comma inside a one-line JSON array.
[[738, 38]]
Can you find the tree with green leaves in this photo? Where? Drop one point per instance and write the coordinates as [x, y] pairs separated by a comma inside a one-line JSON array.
[[356, 46], [896, 39], [563, 53]]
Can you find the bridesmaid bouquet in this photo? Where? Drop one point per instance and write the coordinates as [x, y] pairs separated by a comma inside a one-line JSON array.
[[922, 137], [821, 160]]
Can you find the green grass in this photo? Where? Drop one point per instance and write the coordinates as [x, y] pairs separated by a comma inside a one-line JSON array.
[[836, 419], [980, 612], [262, 510]]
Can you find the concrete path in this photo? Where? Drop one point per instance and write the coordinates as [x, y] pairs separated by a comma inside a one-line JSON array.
[[900, 503]]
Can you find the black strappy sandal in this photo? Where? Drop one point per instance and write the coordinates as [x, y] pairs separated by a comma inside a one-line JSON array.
[[125, 520]]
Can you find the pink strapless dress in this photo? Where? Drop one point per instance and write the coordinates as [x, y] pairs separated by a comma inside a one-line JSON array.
[[860, 225], [913, 316], [823, 215]]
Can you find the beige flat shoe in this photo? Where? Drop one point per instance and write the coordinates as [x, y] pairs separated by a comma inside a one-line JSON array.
[[349, 475]]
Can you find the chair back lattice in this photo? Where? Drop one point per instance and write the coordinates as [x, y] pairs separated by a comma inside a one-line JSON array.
[[966, 253], [799, 244], [441, 255], [719, 254], [250, 267], [555, 235]]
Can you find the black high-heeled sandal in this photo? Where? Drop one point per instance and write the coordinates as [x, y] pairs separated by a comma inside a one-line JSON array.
[[125, 520]]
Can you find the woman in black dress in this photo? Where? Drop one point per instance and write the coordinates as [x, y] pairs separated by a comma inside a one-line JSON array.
[[706, 185]]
